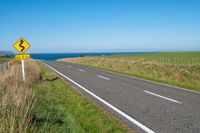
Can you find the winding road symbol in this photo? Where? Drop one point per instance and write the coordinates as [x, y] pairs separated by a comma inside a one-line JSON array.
[[22, 47]]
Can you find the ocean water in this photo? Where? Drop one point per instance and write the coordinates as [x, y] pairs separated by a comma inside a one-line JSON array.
[[55, 56]]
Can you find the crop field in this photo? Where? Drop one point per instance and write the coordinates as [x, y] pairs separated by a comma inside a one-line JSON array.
[[175, 68]]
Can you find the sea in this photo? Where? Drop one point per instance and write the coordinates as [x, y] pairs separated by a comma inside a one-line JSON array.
[[55, 56]]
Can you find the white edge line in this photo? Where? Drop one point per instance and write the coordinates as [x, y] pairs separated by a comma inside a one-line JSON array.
[[151, 93], [150, 81], [146, 129], [103, 77], [81, 70]]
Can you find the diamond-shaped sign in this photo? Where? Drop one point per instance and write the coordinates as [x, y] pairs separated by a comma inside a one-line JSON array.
[[22, 45]]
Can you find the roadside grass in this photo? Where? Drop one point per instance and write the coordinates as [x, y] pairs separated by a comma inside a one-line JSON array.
[[159, 67], [17, 97], [61, 109], [2, 60]]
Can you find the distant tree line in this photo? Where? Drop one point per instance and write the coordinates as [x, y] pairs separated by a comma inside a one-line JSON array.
[[6, 56], [82, 55]]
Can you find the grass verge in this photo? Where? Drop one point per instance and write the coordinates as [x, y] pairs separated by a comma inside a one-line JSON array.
[[61, 109], [17, 97]]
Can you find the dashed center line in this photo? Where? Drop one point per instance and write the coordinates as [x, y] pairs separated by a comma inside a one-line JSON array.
[[81, 70], [162, 97], [103, 77]]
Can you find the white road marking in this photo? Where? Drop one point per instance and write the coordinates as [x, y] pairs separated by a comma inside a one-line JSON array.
[[146, 129], [149, 81], [81, 70], [69, 66], [162, 97], [103, 77]]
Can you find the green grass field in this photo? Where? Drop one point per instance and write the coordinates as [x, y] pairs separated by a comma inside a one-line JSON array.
[[175, 68], [61, 109], [178, 58]]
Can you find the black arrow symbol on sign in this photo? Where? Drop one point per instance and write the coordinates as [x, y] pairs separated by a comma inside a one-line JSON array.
[[21, 42]]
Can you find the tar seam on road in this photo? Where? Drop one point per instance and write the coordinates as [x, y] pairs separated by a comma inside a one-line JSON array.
[[103, 77], [81, 70], [162, 97], [143, 127]]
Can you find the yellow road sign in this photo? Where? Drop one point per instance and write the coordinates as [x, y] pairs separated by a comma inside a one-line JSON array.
[[22, 56], [22, 45]]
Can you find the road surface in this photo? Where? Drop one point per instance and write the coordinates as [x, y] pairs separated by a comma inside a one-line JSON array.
[[143, 105]]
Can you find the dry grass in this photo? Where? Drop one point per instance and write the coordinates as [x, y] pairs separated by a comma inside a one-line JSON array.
[[17, 97]]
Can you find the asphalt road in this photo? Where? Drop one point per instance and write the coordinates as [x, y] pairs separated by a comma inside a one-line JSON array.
[[146, 106]]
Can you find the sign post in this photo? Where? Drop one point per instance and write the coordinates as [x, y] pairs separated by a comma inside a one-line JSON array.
[[22, 46], [23, 70]]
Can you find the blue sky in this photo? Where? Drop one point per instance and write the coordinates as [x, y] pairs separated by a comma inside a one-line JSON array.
[[101, 25]]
